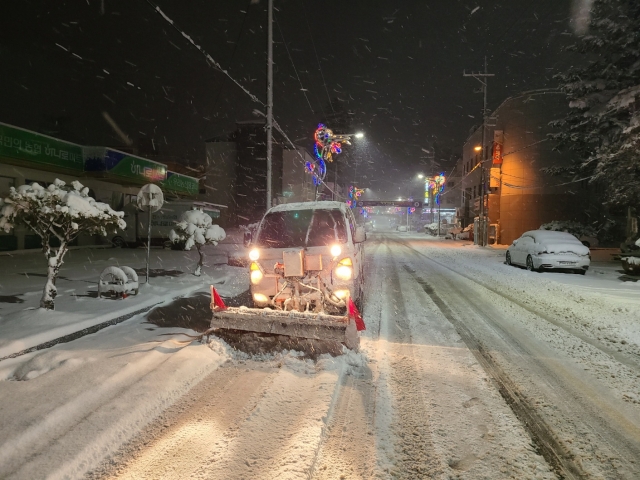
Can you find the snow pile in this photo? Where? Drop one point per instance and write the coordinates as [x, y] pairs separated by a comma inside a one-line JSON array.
[[195, 228]]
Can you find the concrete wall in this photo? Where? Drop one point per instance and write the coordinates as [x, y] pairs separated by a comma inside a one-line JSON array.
[[220, 181], [297, 184], [528, 196]]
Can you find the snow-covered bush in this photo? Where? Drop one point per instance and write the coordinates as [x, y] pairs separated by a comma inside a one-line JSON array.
[[576, 229], [61, 211], [195, 228]]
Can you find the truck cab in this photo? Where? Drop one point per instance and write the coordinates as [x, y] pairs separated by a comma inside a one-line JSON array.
[[307, 256]]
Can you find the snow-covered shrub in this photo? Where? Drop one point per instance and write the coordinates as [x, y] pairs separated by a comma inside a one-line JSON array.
[[576, 229], [195, 228], [61, 211]]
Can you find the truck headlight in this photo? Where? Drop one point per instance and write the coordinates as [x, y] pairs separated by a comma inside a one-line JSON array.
[[260, 299], [336, 250], [256, 273], [344, 270], [254, 254], [341, 294]]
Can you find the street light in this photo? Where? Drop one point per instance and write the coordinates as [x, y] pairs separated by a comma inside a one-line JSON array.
[[420, 176], [477, 148]]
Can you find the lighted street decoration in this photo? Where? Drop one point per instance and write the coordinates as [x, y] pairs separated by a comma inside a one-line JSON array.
[[354, 194], [433, 188], [327, 145]]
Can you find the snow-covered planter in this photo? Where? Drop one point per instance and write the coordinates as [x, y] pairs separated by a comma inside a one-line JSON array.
[[119, 281], [61, 211], [631, 265], [195, 228]]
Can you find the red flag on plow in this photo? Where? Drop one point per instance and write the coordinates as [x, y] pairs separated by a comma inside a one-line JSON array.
[[216, 300], [354, 313]]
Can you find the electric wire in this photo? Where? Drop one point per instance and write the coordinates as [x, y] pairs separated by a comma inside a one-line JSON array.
[[201, 50], [306, 18], [251, 95], [304, 91]]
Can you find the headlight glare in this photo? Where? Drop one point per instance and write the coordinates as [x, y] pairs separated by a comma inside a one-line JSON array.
[[344, 272], [256, 276], [254, 254], [336, 250]]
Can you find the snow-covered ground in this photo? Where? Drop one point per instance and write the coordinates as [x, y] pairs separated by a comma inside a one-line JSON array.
[[23, 325], [449, 328]]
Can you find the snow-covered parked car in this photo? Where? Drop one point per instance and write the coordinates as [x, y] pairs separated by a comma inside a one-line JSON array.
[[538, 250]]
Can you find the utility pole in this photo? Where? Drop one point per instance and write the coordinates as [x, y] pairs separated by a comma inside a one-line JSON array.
[[483, 79], [269, 99]]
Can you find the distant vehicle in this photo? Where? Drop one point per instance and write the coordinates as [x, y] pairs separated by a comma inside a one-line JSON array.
[[161, 223], [401, 228], [539, 250]]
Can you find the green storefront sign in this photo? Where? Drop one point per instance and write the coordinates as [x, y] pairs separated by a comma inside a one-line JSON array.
[[178, 183], [25, 147], [114, 163]]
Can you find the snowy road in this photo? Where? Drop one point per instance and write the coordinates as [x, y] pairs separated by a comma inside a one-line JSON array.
[[469, 369]]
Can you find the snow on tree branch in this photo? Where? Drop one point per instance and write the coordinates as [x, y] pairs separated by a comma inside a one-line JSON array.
[[61, 211], [195, 228]]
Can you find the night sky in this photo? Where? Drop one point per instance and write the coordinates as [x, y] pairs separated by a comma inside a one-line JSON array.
[[396, 65]]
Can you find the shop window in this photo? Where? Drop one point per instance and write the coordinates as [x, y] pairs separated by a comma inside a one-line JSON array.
[[8, 242], [5, 185]]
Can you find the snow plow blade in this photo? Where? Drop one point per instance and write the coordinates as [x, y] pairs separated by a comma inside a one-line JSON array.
[[316, 326]]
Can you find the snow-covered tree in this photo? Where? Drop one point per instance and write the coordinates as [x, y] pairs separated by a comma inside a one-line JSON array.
[[603, 91], [61, 211], [195, 228]]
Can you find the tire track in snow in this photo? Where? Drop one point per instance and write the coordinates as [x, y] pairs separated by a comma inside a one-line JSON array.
[[594, 418], [551, 449], [348, 445], [414, 452], [629, 360]]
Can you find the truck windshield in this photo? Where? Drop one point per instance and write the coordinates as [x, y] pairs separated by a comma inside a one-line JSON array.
[[302, 228]]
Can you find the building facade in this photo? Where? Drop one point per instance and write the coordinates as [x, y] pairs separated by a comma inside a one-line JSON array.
[[112, 176], [518, 195]]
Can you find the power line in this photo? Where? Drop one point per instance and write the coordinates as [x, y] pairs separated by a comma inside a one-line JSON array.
[[304, 91], [201, 50], [219, 67], [317, 57]]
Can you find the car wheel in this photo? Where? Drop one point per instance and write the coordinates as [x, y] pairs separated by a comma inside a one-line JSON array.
[[118, 242], [582, 272], [530, 266], [509, 259]]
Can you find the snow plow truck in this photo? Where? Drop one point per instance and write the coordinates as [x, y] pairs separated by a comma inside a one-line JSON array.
[[306, 274]]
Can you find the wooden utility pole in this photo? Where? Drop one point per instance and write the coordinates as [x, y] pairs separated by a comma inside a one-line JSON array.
[[269, 101], [483, 79]]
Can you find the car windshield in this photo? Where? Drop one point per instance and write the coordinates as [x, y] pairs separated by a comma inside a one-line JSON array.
[[302, 228]]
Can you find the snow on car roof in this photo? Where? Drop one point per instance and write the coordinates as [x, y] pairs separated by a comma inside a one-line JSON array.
[[551, 236], [324, 204], [557, 242]]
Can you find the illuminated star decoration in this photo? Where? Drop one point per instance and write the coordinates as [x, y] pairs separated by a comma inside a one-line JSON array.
[[326, 146]]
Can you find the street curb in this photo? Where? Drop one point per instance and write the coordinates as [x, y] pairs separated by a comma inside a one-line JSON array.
[[88, 331]]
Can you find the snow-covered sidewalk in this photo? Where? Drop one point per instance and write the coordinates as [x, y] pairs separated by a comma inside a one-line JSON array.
[[23, 325]]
